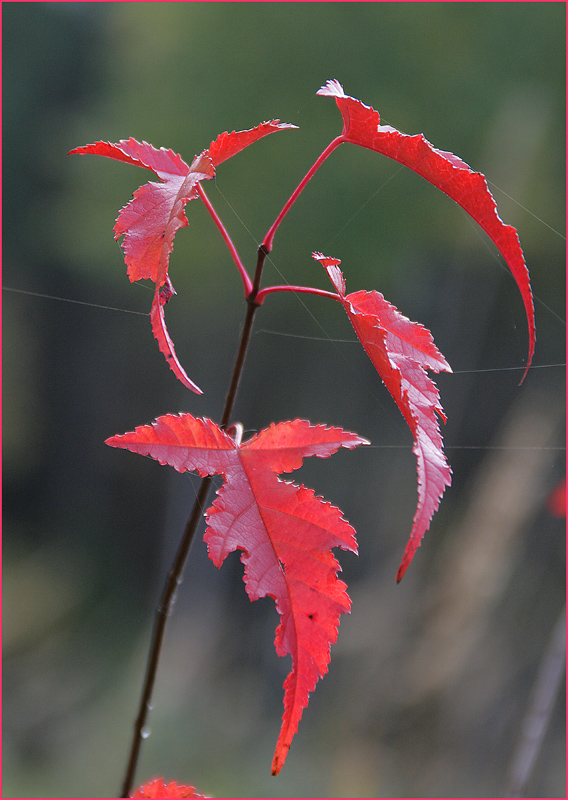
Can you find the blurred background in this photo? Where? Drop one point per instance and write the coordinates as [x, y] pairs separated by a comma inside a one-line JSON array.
[[430, 680]]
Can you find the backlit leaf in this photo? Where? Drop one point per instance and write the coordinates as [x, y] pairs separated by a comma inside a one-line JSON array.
[[285, 532], [402, 351], [150, 221], [361, 126]]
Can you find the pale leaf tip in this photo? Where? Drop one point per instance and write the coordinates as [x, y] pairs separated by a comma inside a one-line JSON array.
[[326, 260], [331, 266], [332, 88], [283, 125]]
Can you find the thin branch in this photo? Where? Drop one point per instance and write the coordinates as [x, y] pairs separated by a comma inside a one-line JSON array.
[[228, 241], [174, 578], [239, 362], [162, 613]]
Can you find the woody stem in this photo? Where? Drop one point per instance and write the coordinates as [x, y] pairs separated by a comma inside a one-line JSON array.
[[166, 603]]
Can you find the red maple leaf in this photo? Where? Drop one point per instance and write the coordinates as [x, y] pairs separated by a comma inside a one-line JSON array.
[[402, 351], [157, 788], [285, 532], [361, 125], [150, 221]]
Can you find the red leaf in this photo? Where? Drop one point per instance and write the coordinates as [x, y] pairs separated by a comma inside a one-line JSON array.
[[229, 144], [150, 221], [285, 531], [361, 125], [402, 351], [162, 336], [163, 162], [157, 788], [153, 217]]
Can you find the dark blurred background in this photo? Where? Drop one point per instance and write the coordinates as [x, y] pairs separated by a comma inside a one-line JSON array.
[[430, 680]]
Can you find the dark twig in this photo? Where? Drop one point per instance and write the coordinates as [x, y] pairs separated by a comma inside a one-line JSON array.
[[174, 578]]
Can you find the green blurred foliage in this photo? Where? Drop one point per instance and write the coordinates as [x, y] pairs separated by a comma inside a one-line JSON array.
[[89, 533]]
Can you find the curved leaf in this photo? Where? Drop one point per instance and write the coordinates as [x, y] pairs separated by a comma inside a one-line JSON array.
[[285, 532], [402, 351], [150, 221], [162, 336], [361, 125]]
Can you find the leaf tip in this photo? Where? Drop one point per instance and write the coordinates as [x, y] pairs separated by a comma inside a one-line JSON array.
[[285, 125], [528, 366], [401, 570], [279, 759], [331, 266], [331, 88], [164, 341]]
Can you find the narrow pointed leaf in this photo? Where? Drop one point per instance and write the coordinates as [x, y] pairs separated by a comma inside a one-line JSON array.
[[285, 532], [361, 126], [162, 336], [165, 163], [227, 145], [402, 351]]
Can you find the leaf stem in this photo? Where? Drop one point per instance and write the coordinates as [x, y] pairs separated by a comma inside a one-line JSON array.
[[165, 606], [252, 307], [267, 243], [306, 289], [228, 241]]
